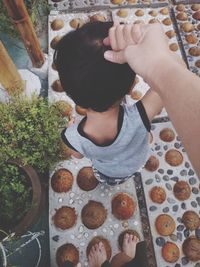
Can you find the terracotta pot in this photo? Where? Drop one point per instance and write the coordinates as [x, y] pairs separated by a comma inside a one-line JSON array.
[[38, 198]]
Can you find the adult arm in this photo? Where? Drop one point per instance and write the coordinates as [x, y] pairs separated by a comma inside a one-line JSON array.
[[152, 104], [179, 89]]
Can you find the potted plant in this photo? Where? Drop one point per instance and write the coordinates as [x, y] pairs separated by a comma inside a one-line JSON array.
[[30, 131], [21, 196], [30, 143]]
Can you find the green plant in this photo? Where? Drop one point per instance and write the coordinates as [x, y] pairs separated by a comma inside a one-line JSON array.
[[30, 131], [35, 8], [15, 196]]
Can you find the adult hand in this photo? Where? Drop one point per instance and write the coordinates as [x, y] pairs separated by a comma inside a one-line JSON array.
[[143, 47]]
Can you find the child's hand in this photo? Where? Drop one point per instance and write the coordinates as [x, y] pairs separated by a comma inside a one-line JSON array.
[[71, 121]]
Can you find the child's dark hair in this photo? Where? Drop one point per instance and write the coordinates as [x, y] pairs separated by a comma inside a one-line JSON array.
[[90, 80]]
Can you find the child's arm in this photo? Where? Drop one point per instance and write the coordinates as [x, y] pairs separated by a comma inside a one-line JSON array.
[[75, 154], [152, 104]]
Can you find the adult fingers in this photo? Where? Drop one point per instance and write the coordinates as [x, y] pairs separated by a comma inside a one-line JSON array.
[[115, 57], [112, 38]]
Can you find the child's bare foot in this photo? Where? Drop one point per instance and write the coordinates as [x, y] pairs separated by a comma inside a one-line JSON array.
[[97, 255], [129, 245]]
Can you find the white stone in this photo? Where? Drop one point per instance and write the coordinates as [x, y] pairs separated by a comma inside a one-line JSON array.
[[41, 72], [60, 200], [32, 85], [80, 229], [71, 201], [86, 235], [72, 237], [111, 232], [116, 226], [72, 194]]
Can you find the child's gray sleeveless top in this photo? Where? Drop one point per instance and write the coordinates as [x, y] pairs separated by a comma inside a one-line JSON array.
[[128, 151]]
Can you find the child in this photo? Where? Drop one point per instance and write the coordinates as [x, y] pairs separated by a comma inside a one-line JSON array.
[[113, 135]]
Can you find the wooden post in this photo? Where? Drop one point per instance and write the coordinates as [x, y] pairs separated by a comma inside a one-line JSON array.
[[20, 17], [9, 76]]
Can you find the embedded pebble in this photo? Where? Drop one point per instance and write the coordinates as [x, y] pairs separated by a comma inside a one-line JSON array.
[[149, 181], [71, 201], [111, 232], [160, 241], [186, 233], [166, 209], [95, 234], [109, 194], [180, 227], [178, 139], [179, 219], [183, 173], [179, 236], [125, 224], [183, 150], [72, 194], [79, 236], [194, 204], [177, 265], [169, 172], [116, 226], [197, 265], [157, 148], [153, 127], [195, 190], [80, 229], [173, 237], [82, 244], [197, 233], [160, 153], [169, 187], [86, 235], [104, 230], [184, 260], [175, 208], [177, 145], [153, 208], [171, 200], [102, 195], [175, 179], [55, 238], [158, 179], [183, 206], [72, 237], [60, 200], [198, 200], [80, 201], [187, 165], [191, 172], [161, 171], [166, 178], [165, 147], [83, 195], [192, 181]]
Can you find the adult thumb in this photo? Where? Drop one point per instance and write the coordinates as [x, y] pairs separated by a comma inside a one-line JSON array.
[[115, 57]]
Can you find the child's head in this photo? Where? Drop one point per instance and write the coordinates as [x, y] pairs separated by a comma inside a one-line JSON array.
[[90, 80]]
